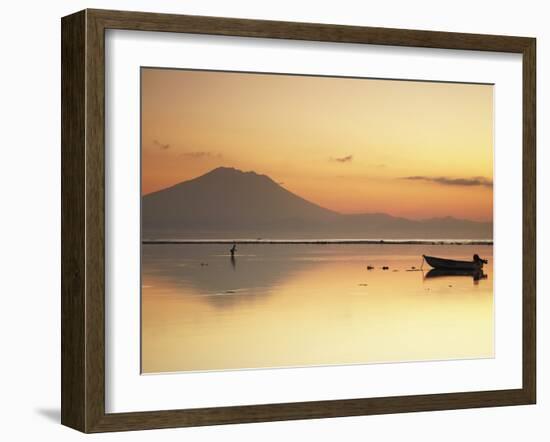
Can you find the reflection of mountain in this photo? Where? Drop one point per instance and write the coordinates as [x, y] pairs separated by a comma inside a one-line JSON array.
[[208, 270], [227, 203]]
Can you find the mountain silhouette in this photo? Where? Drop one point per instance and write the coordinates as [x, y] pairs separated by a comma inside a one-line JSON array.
[[229, 203]]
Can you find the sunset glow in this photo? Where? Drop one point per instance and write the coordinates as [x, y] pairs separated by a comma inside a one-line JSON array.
[[406, 148]]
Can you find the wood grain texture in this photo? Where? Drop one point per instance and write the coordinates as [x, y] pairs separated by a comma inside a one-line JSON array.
[[529, 220], [145, 21], [308, 410], [83, 220], [73, 129], [95, 222]]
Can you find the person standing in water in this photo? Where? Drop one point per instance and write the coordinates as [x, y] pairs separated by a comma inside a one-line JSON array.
[[232, 250], [479, 261]]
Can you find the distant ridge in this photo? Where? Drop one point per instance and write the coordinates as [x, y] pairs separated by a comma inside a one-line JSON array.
[[230, 203]]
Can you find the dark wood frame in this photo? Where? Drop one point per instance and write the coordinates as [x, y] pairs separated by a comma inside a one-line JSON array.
[[83, 216]]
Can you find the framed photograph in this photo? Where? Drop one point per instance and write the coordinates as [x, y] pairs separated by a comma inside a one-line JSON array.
[[269, 220]]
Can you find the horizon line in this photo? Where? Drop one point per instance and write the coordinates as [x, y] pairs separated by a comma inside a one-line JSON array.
[[488, 242]]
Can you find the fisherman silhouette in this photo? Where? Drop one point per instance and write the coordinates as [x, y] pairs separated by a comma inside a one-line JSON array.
[[233, 250], [478, 260]]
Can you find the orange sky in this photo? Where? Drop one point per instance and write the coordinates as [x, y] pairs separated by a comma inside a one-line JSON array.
[[413, 149]]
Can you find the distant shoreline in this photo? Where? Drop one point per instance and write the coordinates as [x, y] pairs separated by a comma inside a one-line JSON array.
[[457, 242]]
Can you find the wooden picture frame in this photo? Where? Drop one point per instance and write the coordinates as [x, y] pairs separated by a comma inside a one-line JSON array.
[[83, 220]]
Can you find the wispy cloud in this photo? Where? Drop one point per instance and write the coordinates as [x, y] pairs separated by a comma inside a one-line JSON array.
[[447, 181], [198, 154], [161, 145], [345, 159]]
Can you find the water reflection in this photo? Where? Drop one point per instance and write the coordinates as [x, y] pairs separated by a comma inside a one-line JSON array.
[[476, 275], [296, 305], [216, 276]]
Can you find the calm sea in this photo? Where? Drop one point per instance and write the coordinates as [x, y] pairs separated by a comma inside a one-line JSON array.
[[285, 305]]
